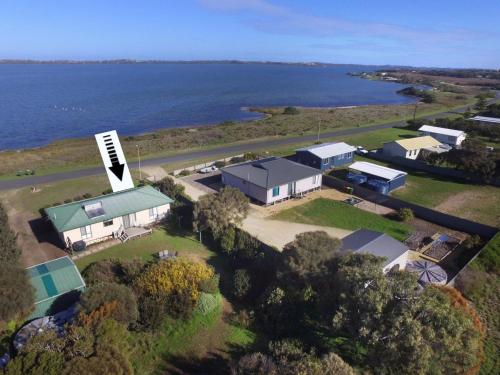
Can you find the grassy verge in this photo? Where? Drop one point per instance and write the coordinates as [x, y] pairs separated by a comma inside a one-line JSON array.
[[337, 214], [75, 153], [471, 201]]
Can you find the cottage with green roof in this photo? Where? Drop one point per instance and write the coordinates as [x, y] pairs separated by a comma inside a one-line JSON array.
[[54, 280], [122, 215]]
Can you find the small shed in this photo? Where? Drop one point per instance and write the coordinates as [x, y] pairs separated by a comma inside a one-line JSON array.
[[57, 285], [392, 177], [326, 155], [485, 120], [428, 272]]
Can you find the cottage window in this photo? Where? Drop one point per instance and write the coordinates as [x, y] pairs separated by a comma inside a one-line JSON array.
[[108, 223], [153, 213], [326, 161], [276, 191], [86, 232]]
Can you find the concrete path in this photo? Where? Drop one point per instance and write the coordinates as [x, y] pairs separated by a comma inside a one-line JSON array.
[[278, 233]]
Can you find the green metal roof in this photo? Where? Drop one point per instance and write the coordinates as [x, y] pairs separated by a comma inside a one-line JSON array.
[[51, 280], [72, 215]]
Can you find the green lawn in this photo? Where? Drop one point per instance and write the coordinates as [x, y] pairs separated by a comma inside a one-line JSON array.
[[146, 248], [337, 214], [475, 202]]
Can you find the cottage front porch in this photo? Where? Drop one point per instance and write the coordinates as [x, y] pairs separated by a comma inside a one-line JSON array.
[[134, 232]]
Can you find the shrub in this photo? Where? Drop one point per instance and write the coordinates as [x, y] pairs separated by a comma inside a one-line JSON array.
[[220, 163], [243, 318], [405, 214], [207, 303], [100, 294], [291, 111], [185, 172], [241, 283], [77, 198], [237, 159], [107, 271], [152, 311], [107, 191], [87, 195], [175, 276], [227, 240], [68, 200], [181, 305], [472, 242], [250, 156], [210, 285]]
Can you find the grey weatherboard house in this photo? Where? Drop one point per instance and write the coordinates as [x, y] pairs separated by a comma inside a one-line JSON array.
[[272, 179], [378, 244], [326, 156]]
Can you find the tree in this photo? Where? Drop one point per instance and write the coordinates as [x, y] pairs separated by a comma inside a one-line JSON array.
[[307, 256], [106, 270], [168, 187], [241, 283], [480, 103], [473, 157], [227, 240], [100, 294], [221, 211], [404, 331]]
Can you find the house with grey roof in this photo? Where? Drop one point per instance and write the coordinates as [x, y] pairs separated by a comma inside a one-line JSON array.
[[122, 215], [326, 155], [379, 244], [272, 179]]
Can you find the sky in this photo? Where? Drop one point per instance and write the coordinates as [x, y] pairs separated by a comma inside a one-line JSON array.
[[437, 33]]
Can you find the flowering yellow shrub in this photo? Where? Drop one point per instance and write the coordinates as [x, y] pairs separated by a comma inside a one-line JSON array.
[[175, 275]]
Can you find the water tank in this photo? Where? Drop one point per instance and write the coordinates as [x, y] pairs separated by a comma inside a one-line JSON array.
[[356, 179], [379, 186]]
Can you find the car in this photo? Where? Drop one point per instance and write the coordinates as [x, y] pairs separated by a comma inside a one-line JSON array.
[[25, 172], [210, 169], [360, 150]]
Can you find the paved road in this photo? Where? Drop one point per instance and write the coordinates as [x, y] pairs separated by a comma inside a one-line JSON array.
[[182, 157]]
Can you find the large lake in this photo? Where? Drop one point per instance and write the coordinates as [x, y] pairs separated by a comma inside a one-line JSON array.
[[41, 103]]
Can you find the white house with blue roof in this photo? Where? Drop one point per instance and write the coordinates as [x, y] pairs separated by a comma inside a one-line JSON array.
[[122, 215], [326, 155]]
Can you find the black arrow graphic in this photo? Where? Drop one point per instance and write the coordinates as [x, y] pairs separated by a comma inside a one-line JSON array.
[[116, 167]]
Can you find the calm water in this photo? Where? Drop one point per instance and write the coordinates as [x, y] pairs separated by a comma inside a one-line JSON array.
[[41, 103]]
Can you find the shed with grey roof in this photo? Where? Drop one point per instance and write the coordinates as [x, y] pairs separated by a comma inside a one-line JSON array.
[[378, 244], [326, 155], [272, 179]]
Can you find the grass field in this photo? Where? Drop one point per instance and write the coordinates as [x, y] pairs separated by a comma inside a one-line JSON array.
[[75, 153], [337, 214], [471, 201], [147, 247]]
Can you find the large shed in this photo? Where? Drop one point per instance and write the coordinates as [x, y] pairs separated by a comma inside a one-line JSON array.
[[395, 253], [56, 280], [392, 178]]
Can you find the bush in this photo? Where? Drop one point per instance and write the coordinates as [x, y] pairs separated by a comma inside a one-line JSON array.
[[251, 156], [77, 198], [227, 240], [405, 214], [210, 285], [220, 163], [100, 294], [472, 242], [152, 311], [185, 172], [243, 318], [107, 191], [237, 159], [241, 283], [106, 271], [87, 195], [291, 111], [68, 201], [207, 303]]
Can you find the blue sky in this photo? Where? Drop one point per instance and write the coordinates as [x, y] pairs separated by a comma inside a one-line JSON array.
[[459, 33]]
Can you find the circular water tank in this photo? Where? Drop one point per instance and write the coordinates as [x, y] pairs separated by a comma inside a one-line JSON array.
[[428, 272]]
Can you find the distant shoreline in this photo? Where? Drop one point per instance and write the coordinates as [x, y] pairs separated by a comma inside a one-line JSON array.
[[152, 62]]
